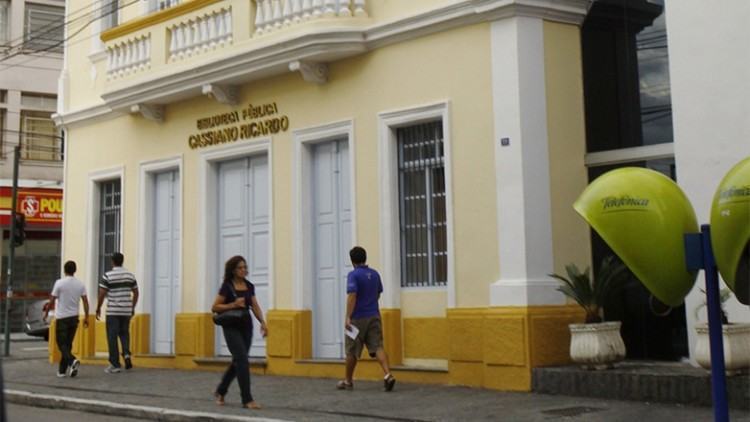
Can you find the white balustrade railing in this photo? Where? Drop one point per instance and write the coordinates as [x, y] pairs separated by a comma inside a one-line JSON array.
[[200, 33], [128, 56], [274, 14]]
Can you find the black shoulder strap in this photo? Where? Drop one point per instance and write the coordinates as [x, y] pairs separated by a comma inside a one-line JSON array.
[[234, 292]]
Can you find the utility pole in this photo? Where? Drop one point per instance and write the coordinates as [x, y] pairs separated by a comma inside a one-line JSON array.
[[12, 246]]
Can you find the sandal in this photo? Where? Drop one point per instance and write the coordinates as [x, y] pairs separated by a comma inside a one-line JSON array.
[[252, 405], [219, 399], [344, 385]]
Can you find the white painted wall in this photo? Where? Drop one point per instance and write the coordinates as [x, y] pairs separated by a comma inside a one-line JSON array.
[[709, 68]]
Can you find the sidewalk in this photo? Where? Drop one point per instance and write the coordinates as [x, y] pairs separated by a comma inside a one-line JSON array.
[[164, 394]]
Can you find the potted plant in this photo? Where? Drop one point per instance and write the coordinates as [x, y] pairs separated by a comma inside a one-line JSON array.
[[736, 338], [594, 344]]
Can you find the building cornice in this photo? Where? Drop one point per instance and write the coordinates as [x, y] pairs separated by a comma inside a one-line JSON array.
[[259, 59]]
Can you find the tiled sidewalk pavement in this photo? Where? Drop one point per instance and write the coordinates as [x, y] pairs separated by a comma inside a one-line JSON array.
[[309, 399]]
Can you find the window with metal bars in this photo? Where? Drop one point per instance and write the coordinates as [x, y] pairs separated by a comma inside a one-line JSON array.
[[424, 245], [40, 140], [109, 224], [43, 27]]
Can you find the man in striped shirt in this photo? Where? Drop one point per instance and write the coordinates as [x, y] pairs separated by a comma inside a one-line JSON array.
[[121, 289]]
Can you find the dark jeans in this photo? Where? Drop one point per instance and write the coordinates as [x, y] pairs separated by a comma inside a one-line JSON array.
[[238, 342], [65, 331], [118, 327]]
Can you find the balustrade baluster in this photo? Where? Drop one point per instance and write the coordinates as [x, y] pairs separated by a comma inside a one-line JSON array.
[[120, 58], [138, 63], [192, 38], [123, 57], [203, 41], [228, 25], [268, 13], [147, 51], [330, 9], [131, 56], [259, 16], [344, 8], [317, 8], [211, 24], [172, 42], [180, 35], [221, 31], [359, 8], [109, 59], [297, 11], [287, 12], [306, 9], [277, 14]]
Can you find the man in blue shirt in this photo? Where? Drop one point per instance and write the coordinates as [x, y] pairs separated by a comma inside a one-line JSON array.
[[363, 325]]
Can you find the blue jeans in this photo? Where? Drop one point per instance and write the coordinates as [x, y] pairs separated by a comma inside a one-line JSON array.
[[118, 327], [238, 340]]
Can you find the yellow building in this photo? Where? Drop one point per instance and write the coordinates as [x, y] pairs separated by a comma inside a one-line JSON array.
[[288, 131]]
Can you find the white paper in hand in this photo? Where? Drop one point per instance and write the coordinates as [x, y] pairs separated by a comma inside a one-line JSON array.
[[352, 332]]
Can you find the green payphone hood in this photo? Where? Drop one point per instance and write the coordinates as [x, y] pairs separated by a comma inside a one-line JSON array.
[[730, 229], [643, 216]]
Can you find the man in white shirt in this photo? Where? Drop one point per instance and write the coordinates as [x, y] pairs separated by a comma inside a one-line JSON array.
[[68, 291]]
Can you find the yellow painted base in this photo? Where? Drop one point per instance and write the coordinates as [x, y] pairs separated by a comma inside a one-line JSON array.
[[493, 348], [498, 347]]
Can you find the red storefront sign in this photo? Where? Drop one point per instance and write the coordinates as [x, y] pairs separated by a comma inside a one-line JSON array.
[[42, 207]]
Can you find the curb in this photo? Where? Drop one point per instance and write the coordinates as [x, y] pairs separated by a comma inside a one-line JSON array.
[[118, 409]]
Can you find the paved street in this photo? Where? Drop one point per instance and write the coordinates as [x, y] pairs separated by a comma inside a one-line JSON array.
[[34, 414], [305, 399]]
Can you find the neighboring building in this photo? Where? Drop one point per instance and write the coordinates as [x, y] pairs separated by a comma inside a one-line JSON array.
[[711, 97], [31, 47], [449, 138]]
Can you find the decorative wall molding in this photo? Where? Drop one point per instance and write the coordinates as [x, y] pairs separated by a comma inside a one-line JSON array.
[[312, 72], [388, 122], [223, 94], [149, 111]]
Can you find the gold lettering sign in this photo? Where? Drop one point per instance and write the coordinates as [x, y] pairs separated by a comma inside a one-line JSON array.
[[250, 122]]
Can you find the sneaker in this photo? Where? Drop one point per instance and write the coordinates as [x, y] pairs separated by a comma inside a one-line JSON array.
[[344, 385], [73, 368], [61, 375], [112, 369], [388, 382], [128, 363]]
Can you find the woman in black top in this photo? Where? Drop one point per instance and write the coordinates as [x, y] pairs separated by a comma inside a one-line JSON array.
[[238, 293]]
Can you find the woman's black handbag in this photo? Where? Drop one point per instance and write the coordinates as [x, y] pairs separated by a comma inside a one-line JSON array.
[[232, 317]]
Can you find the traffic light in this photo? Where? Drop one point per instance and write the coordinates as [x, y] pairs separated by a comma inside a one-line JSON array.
[[20, 234]]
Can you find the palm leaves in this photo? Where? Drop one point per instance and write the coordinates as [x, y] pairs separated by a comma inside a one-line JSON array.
[[592, 295]]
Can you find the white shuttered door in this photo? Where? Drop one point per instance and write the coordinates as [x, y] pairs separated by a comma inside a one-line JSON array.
[[166, 275], [243, 227], [332, 240]]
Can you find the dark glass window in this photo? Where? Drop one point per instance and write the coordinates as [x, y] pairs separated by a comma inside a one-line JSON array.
[[626, 75]]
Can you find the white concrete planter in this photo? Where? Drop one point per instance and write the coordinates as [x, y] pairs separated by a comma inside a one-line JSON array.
[[596, 346], [736, 347]]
